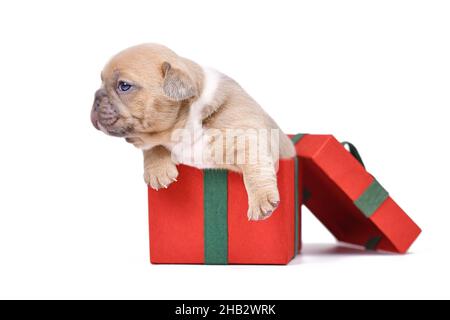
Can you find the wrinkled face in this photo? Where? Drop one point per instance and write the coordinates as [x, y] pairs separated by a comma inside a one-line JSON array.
[[140, 93]]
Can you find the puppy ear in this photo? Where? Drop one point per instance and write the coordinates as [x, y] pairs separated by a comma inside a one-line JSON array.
[[177, 85]]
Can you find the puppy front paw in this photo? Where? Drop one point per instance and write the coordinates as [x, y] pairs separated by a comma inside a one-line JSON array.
[[263, 204], [160, 175]]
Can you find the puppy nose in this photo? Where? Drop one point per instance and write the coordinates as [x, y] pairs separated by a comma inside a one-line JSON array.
[[105, 112]]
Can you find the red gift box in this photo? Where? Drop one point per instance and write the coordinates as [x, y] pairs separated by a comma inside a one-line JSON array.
[[202, 219], [348, 200]]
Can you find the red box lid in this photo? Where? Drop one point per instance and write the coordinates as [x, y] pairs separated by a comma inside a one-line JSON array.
[[348, 200]]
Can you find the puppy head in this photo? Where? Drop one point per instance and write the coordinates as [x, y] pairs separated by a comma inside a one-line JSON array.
[[142, 91]]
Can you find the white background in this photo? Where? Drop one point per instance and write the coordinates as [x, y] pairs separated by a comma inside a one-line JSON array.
[[73, 211]]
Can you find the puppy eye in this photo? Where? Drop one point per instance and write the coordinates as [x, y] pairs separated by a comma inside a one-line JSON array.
[[124, 86]]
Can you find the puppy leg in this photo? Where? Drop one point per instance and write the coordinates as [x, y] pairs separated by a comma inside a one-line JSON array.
[[261, 183], [159, 169]]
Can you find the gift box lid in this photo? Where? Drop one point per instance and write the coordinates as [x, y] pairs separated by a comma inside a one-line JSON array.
[[347, 199]]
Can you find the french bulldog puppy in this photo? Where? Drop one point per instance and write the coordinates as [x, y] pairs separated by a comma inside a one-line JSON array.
[[154, 98]]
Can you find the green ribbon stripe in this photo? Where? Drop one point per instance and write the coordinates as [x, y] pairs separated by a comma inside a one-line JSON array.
[[371, 199], [215, 204], [372, 243], [297, 138], [368, 203]]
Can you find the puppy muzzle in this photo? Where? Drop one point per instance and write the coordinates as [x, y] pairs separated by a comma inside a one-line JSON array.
[[103, 114]]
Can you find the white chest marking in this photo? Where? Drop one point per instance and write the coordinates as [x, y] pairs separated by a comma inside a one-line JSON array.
[[191, 142]]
